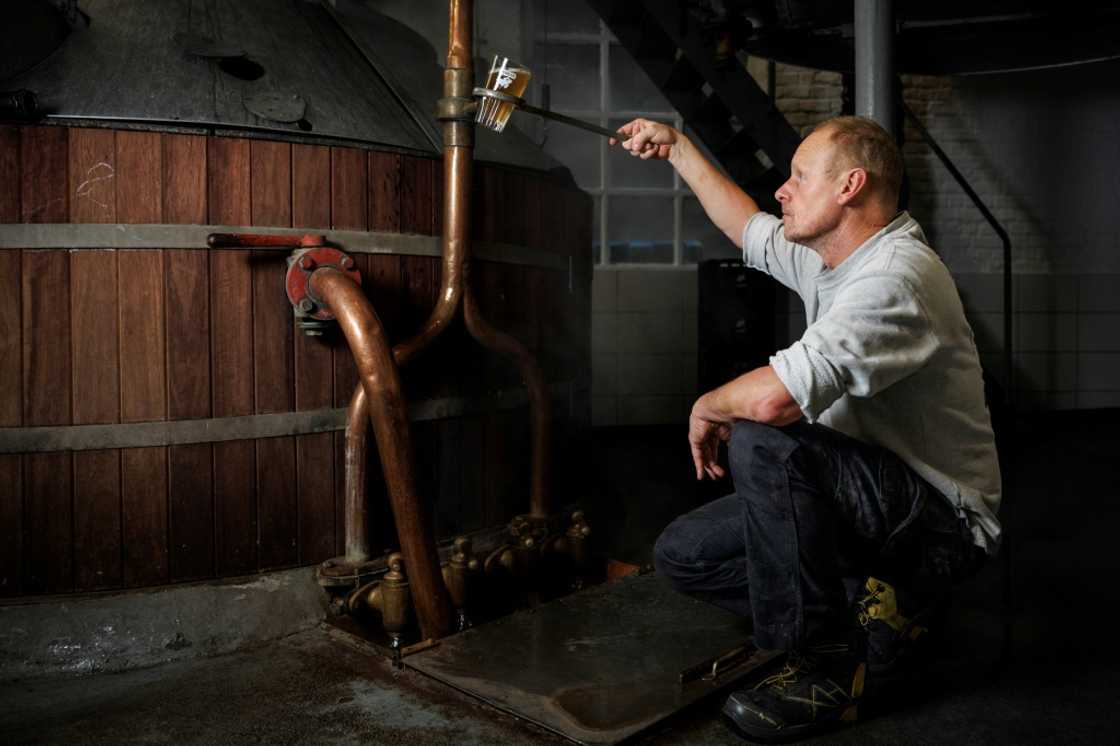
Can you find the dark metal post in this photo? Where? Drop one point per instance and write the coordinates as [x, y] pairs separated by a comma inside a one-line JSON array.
[[874, 69]]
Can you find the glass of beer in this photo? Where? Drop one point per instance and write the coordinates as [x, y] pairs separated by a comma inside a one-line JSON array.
[[506, 76]]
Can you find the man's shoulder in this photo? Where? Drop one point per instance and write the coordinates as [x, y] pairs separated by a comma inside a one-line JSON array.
[[909, 258]]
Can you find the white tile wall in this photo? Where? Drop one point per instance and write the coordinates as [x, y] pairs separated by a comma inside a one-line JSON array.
[[1067, 336], [1098, 371], [654, 410], [644, 340], [1043, 332], [1098, 332]]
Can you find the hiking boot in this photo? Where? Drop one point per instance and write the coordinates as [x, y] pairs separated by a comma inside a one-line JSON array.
[[895, 646], [816, 690]]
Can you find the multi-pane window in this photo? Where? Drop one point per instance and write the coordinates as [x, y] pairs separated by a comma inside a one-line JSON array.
[[644, 213]]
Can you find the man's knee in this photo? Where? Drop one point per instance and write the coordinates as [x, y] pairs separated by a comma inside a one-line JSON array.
[[756, 447], [697, 543], [671, 554]]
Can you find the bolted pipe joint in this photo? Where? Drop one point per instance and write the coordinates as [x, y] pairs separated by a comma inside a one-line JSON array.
[[311, 312]]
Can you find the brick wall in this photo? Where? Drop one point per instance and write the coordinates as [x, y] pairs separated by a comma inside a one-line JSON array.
[[806, 97]]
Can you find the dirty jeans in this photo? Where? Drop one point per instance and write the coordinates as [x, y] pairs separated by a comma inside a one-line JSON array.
[[814, 513]]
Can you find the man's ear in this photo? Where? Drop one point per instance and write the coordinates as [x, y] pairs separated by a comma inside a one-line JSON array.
[[855, 183]]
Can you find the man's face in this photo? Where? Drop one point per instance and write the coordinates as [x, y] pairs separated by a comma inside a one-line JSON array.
[[809, 197]]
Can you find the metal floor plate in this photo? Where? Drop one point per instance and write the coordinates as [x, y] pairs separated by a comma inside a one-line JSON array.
[[598, 666]]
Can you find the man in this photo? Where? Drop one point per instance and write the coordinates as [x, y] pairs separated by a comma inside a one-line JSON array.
[[862, 456]]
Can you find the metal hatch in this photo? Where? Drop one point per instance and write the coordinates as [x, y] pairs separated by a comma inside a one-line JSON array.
[[602, 665]]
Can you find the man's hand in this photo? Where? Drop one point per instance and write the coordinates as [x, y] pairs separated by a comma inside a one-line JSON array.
[[647, 139], [704, 436]]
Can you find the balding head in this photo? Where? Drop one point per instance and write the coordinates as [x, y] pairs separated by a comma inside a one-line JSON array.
[[859, 142]]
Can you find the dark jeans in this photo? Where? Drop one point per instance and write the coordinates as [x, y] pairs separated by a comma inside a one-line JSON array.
[[814, 514]]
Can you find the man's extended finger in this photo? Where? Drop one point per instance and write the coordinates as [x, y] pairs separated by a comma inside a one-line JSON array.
[[697, 460]]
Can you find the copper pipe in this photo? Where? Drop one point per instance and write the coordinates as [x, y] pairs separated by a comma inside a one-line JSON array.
[[357, 430], [389, 417], [457, 82], [540, 408], [458, 151], [460, 43]]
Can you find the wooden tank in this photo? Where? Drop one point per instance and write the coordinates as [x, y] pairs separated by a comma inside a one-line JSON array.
[[101, 343]]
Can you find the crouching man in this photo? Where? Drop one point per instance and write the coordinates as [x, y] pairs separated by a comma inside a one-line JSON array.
[[862, 457]]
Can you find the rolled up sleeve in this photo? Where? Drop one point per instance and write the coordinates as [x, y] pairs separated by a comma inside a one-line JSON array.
[[766, 249]]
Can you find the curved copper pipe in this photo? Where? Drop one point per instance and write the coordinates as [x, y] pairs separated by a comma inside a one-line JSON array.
[[455, 248], [389, 417], [458, 154], [540, 408]]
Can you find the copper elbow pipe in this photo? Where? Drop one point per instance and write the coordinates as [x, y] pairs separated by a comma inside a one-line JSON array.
[[540, 407], [389, 417]]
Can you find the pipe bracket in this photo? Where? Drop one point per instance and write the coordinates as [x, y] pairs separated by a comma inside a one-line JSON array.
[[456, 109]]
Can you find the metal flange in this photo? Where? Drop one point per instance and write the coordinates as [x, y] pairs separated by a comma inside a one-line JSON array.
[[298, 280]]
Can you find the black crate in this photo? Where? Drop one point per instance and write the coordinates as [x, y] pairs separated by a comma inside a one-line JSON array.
[[736, 318]]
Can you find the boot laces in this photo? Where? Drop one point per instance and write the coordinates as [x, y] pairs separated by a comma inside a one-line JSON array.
[[799, 663]]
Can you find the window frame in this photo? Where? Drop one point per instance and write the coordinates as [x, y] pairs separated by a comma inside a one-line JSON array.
[[603, 191]]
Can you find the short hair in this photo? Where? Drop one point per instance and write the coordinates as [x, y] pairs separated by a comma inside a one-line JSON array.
[[864, 143]]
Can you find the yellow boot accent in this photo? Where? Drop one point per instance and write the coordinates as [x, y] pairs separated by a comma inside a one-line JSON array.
[[881, 603], [858, 679]]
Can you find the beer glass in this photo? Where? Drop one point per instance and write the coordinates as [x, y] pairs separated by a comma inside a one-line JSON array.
[[506, 76]]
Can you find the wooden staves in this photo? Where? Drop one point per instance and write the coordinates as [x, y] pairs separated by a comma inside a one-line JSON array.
[[314, 373], [146, 335]]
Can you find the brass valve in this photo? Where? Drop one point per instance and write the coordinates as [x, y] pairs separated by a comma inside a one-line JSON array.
[[392, 598], [572, 548], [576, 536], [457, 574], [520, 556]]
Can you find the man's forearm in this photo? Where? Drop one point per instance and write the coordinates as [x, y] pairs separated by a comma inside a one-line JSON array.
[[726, 205], [759, 396]]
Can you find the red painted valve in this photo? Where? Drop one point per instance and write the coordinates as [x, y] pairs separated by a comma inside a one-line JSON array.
[[299, 277]]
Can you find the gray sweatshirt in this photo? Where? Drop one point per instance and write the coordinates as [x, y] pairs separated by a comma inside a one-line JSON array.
[[888, 358]]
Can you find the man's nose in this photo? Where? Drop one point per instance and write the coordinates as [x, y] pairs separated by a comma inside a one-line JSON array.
[[782, 195]]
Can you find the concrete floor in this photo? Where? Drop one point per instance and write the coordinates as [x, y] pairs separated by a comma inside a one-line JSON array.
[[1061, 686]]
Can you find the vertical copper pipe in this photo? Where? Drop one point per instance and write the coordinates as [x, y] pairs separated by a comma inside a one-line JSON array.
[[458, 152], [357, 431], [460, 42], [540, 407], [389, 417]]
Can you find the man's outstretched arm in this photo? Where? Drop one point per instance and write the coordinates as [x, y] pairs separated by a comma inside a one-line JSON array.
[[726, 205], [758, 395]]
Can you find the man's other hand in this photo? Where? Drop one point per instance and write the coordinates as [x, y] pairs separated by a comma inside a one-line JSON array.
[[704, 436], [647, 139]]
